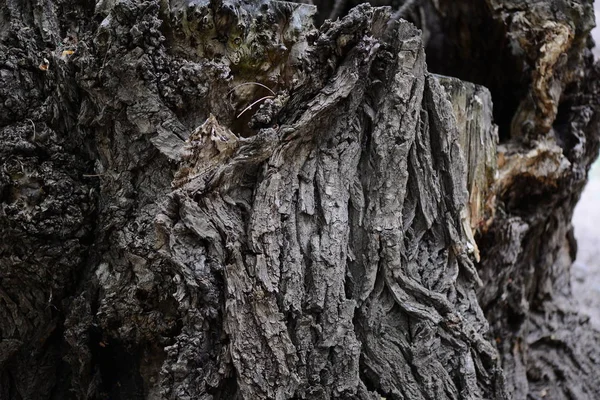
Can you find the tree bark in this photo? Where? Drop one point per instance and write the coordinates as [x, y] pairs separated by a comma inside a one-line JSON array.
[[219, 200]]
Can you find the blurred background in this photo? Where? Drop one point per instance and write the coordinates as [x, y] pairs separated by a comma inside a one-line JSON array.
[[586, 269]]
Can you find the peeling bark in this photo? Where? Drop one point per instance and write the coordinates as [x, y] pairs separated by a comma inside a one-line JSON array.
[[219, 200]]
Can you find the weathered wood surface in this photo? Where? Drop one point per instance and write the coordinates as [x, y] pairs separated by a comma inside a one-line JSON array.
[[472, 106], [217, 200]]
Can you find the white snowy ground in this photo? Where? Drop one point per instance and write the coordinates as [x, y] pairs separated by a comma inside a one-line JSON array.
[[585, 278]]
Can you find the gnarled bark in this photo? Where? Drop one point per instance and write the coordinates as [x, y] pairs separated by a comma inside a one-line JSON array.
[[219, 200]]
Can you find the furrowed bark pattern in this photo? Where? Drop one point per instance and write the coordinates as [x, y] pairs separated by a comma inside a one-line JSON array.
[[547, 345], [216, 200], [314, 258], [534, 58], [547, 149], [47, 207]]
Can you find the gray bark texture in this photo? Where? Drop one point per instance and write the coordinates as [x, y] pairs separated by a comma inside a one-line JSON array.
[[227, 199]]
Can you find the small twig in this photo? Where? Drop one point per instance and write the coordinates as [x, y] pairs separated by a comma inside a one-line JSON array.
[[251, 105], [50, 301], [337, 9], [106, 55], [92, 175], [34, 132], [252, 83]]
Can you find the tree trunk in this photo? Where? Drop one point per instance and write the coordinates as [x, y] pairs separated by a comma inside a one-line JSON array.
[[217, 200]]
